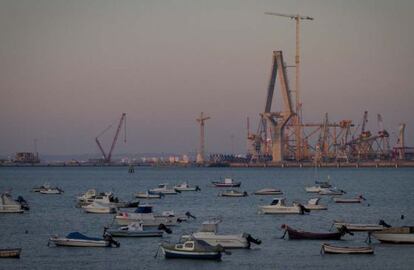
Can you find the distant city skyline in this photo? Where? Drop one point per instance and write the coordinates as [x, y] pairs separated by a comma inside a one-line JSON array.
[[68, 69]]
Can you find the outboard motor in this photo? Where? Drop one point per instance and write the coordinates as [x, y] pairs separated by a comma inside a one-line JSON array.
[[164, 228], [197, 188], [303, 209], [383, 223], [23, 203], [245, 194], [344, 230], [250, 239], [189, 215], [108, 237]]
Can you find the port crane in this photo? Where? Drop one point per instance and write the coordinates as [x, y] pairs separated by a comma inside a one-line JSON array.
[[107, 157]]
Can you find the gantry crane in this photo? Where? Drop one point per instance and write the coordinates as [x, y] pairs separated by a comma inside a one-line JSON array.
[[298, 105], [107, 157]]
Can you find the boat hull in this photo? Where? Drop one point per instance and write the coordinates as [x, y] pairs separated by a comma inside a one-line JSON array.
[[100, 210], [359, 227], [78, 242], [167, 221], [316, 207], [10, 253], [394, 238], [226, 185], [226, 241], [329, 249], [302, 235], [178, 254], [119, 233], [266, 209], [341, 200]]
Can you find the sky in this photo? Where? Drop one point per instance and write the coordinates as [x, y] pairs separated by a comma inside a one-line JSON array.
[[68, 69]]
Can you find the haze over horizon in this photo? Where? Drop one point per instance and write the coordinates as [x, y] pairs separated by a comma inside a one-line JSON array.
[[68, 69]]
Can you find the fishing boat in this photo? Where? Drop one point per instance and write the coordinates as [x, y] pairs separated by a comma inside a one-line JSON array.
[[192, 249], [396, 235], [303, 235], [51, 190], [268, 191], [228, 182], [358, 199], [233, 193], [331, 191], [99, 208], [164, 189], [149, 195], [145, 215], [76, 239], [186, 187], [209, 233], [8, 205], [278, 206], [330, 249], [106, 198], [137, 229], [360, 227], [10, 252], [313, 204]]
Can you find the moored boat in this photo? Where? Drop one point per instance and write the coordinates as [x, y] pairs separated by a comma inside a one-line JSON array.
[[228, 182], [331, 191], [268, 191], [330, 249], [313, 189], [361, 227], [303, 235], [106, 198], [358, 199], [99, 208], [149, 195], [192, 249], [8, 205], [137, 229], [164, 189], [395, 235], [278, 206], [313, 204], [76, 239], [209, 233], [186, 187], [51, 190], [10, 252], [233, 193]]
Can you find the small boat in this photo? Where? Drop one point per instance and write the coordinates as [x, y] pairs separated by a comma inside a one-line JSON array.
[[268, 191], [137, 229], [303, 235], [313, 189], [192, 249], [209, 234], [106, 198], [145, 215], [8, 205], [331, 191], [358, 199], [39, 188], [164, 189], [51, 190], [396, 235], [278, 206], [313, 204], [99, 208], [186, 187], [228, 182], [233, 193], [323, 184], [76, 239], [10, 252], [330, 249], [359, 227], [149, 195]]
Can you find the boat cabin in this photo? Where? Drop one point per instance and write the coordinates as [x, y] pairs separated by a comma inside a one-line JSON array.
[[144, 209], [228, 180], [278, 201], [210, 226]]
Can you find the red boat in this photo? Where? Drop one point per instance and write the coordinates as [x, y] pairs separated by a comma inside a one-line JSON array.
[[298, 235], [228, 182]]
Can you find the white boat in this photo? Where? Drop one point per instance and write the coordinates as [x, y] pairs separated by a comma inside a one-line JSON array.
[[8, 205], [164, 189], [51, 190], [313, 189], [186, 187], [396, 235], [278, 206], [331, 191], [268, 191], [137, 229], [228, 182], [313, 204], [233, 193], [360, 227], [209, 234], [99, 208], [149, 195], [358, 199], [76, 239], [144, 215], [330, 249], [106, 198]]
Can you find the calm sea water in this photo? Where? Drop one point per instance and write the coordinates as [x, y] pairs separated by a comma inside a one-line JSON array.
[[389, 194]]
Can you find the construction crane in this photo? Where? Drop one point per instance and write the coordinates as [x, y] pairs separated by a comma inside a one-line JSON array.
[[107, 157], [298, 105], [201, 120]]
